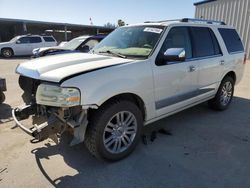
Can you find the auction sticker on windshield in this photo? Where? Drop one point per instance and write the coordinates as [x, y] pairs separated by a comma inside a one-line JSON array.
[[152, 30]]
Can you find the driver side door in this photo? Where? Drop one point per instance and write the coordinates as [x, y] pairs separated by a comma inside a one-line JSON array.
[[22, 46], [176, 83]]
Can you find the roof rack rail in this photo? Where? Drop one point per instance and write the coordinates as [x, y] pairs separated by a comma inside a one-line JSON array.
[[203, 21], [161, 21]]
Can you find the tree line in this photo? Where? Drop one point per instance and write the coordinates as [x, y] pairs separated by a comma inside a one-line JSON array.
[[112, 25]]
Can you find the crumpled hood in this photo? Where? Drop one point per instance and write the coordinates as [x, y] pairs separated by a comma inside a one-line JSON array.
[[56, 68]]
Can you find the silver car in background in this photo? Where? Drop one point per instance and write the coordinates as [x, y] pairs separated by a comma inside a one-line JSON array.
[[24, 45]]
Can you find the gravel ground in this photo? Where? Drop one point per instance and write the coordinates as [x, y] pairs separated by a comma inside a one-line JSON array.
[[206, 149]]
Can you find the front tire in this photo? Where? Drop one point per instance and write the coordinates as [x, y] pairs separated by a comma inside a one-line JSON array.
[[224, 95], [2, 97], [7, 53], [114, 130]]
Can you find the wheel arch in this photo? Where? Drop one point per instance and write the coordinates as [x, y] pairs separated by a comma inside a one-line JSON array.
[[231, 74], [130, 97], [7, 48]]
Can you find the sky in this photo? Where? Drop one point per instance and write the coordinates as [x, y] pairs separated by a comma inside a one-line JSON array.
[[100, 11]]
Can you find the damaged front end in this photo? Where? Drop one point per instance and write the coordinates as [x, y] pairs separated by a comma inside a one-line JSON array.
[[54, 110]]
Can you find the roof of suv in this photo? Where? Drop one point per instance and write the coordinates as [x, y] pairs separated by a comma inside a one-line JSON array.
[[29, 35], [184, 21]]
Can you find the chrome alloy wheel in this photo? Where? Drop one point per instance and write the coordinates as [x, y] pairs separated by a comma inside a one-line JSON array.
[[226, 93], [120, 132]]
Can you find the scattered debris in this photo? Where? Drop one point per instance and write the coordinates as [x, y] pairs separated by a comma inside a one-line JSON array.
[[153, 135], [164, 131], [144, 140]]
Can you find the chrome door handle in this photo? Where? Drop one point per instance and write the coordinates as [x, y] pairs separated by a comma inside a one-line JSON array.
[[222, 62], [192, 68]]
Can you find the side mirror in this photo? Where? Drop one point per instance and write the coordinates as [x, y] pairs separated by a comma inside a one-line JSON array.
[[175, 54], [85, 48], [18, 42]]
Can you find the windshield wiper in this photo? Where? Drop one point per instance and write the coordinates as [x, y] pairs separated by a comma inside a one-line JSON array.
[[113, 53]]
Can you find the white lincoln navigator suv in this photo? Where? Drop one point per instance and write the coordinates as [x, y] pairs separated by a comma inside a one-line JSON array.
[[137, 75]]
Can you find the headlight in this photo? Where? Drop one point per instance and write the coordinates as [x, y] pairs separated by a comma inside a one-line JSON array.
[[52, 95]]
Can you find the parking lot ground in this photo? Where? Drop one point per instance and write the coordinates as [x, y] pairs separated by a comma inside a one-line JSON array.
[[206, 149]]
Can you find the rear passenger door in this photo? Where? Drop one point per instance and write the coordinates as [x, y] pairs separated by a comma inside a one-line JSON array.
[[207, 53]]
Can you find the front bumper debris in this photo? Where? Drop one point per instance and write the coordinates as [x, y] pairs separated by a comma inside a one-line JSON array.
[[54, 126]]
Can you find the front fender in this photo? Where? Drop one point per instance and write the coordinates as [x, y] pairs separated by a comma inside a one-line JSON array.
[[98, 86]]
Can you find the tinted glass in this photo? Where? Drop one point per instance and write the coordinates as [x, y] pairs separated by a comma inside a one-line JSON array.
[[48, 39], [217, 49], [24, 40], [202, 42], [35, 39], [232, 40], [177, 37]]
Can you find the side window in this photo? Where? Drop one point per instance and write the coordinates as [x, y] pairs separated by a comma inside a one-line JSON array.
[[203, 43], [23, 40], [35, 40], [178, 37], [49, 39], [231, 40], [91, 43], [217, 49]]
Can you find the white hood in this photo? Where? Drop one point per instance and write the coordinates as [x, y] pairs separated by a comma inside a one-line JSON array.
[[5, 43], [55, 68]]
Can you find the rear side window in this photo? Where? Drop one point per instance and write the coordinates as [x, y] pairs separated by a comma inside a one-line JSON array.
[[24, 40], [204, 42], [35, 40], [49, 39], [231, 40]]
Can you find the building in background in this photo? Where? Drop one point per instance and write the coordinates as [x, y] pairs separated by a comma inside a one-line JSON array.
[[233, 12], [61, 31]]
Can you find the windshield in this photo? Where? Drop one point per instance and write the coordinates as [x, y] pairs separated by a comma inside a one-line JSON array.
[[14, 39], [74, 43], [134, 41]]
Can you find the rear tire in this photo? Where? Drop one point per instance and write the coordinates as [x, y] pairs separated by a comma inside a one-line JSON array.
[[7, 52], [114, 130], [224, 95]]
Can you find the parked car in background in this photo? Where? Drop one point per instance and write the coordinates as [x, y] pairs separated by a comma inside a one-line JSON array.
[[62, 43], [24, 45], [79, 44]]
